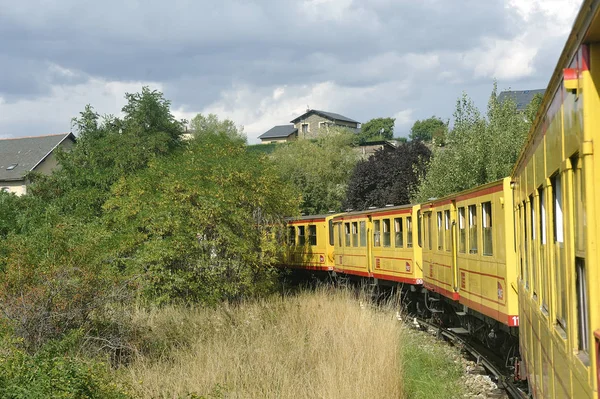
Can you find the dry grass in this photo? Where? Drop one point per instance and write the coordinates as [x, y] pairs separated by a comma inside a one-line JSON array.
[[314, 345]]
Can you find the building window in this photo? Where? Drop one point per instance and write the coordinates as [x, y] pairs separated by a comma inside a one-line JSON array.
[[486, 214], [472, 229], [292, 235], [304, 128], [354, 234], [363, 234], [462, 231], [312, 235], [376, 233], [409, 239], [398, 233], [301, 236]]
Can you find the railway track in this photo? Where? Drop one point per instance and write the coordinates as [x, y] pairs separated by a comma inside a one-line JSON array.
[[483, 356]]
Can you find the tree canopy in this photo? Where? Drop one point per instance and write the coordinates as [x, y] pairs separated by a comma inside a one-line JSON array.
[[319, 168], [479, 149], [387, 177], [428, 130], [377, 129]]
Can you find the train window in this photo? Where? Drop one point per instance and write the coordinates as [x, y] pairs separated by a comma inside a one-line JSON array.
[[301, 236], [462, 232], [428, 227], [533, 246], [582, 305], [409, 239], [363, 234], [440, 232], [355, 234], [447, 230], [347, 234], [292, 235], [398, 233], [486, 215], [312, 234], [339, 233], [331, 241], [560, 270], [386, 232], [580, 221], [543, 265], [525, 245], [472, 229], [419, 229], [376, 233]]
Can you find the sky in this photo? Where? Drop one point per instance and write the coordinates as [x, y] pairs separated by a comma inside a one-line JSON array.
[[262, 63]]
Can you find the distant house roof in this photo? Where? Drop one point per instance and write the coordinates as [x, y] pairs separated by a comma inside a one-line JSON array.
[[521, 97], [328, 115], [23, 154], [278, 132]]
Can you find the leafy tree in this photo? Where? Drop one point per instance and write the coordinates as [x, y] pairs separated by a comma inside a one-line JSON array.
[[377, 129], [319, 169], [107, 149], [201, 124], [197, 224], [428, 130], [388, 177], [478, 149]]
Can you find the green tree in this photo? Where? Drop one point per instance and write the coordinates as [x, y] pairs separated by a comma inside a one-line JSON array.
[[377, 129], [429, 129], [319, 169], [478, 149], [197, 224], [201, 124]]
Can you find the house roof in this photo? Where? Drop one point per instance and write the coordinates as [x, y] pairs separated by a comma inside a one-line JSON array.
[[521, 97], [329, 115], [23, 154], [280, 131]]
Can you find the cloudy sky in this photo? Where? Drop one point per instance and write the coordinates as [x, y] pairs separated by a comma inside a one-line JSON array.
[[262, 62]]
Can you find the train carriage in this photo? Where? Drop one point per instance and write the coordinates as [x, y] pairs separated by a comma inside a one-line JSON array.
[[310, 243], [468, 250], [379, 243], [556, 203]]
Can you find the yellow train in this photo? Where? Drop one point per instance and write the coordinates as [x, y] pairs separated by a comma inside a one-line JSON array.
[[515, 259]]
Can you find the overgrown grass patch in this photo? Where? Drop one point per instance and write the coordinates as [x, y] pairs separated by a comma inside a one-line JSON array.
[[429, 367]]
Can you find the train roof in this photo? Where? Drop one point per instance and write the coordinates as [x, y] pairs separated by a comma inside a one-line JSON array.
[[311, 217], [471, 192], [586, 29], [375, 210]]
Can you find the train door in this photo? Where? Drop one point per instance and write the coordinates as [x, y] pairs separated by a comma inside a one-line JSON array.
[[451, 224], [370, 261]]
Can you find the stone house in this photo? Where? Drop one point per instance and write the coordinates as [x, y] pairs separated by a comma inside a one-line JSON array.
[[308, 125], [21, 155]]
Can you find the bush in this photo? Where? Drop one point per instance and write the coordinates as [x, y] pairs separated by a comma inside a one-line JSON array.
[[51, 374]]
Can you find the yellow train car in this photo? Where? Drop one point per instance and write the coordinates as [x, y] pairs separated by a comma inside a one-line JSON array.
[[468, 250], [310, 243], [379, 243], [556, 203]]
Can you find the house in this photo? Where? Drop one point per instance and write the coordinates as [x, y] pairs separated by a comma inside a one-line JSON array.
[[521, 97], [307, 125], [21, 155]]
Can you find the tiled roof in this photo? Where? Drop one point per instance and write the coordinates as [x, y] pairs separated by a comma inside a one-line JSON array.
[[21, 155], [329, 115], [521, 97], [280, 131]]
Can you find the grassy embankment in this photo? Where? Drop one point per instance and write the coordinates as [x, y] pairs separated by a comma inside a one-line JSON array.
[[313, 345]]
